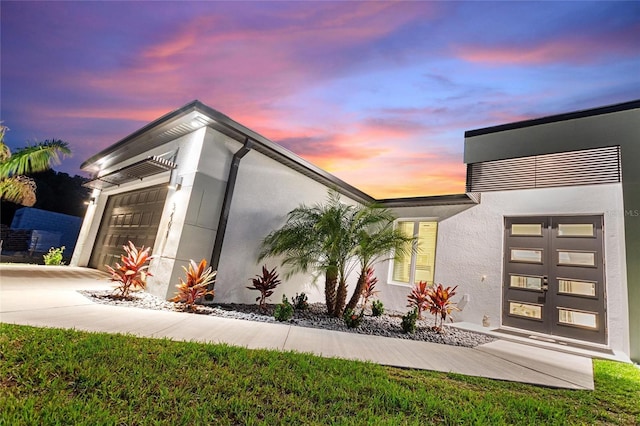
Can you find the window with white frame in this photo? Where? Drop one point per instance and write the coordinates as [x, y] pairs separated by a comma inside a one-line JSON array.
[[417, 266]]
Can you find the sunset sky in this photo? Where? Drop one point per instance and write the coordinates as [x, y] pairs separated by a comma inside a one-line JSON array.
[[377, 93]]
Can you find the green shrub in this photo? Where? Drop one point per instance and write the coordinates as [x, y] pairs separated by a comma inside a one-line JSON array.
[[299, 302], [377, 308], [409, 321], [351, 319], [284, 311], [54, 257]]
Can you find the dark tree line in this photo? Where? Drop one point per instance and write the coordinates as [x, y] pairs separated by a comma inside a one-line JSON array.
[[56, 192]]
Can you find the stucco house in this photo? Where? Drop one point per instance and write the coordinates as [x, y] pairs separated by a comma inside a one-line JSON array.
[[543, 243]]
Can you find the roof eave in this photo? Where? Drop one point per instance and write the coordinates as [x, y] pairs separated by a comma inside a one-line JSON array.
[[238, 132], [436, 200], [190, 107]]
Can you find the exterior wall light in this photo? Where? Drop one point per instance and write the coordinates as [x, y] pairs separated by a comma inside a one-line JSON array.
[[90, 201], [175, 182]]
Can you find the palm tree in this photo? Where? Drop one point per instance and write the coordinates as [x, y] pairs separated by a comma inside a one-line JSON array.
[[338, 243], [376, 240], [315, 239], [16, 187], [327, 238]]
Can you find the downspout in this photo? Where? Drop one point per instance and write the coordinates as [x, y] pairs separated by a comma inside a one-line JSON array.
[[226, 203]]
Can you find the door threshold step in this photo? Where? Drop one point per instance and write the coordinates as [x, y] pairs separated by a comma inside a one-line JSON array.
[[571, 347], [545, 339], [554, 340], [545, 342]]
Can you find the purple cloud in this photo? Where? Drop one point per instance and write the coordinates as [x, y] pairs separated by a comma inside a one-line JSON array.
[[379, 93]]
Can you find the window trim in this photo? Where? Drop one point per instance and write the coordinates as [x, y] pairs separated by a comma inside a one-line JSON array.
[[414, 256]]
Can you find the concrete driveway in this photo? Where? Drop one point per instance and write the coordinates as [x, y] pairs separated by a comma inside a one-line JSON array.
[[46, 296]]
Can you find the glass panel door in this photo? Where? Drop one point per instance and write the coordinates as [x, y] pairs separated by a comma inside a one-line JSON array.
[[577, 276], [525, 275], [554, 279]]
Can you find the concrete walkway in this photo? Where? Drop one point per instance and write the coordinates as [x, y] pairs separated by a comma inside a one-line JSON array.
[[46, 296]]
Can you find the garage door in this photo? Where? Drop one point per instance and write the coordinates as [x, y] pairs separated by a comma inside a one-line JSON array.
[[130, 216]]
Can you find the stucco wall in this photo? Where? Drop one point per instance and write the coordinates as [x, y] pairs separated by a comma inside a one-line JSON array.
[[190, 218], [265, 192], [469, 250]]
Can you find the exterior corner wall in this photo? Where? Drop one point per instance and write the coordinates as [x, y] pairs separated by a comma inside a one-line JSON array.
[[629, 138], [88, 232], [190, 220], [630, 154]]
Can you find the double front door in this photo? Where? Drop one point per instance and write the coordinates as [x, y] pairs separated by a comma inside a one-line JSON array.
[[554, 276]]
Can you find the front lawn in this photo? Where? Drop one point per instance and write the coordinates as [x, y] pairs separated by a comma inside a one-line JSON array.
[[50, 376]]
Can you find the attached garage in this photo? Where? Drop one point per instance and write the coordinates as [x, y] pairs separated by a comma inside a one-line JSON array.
[[129, 216]]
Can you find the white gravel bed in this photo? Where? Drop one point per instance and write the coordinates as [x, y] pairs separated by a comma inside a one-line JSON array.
[[387, 325]]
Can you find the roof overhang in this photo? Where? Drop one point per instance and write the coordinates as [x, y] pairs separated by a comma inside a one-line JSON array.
[[137, 171], [437, 200], [196, 115], [166, 128]]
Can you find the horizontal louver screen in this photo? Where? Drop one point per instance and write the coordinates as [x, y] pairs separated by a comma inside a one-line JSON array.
[[588, 167], [139, 170]]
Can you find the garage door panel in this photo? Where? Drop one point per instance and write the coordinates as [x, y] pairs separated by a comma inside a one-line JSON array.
[[136, 219], [132, 216]]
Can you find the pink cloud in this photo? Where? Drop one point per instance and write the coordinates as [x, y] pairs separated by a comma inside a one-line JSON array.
[[249, 73], [324, 149], [137, 114], [407, 173], [578, 48], [549, 52], [267, 63], [383, 157]]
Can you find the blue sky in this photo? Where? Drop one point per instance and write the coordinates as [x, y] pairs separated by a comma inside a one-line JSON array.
[[378, 93]]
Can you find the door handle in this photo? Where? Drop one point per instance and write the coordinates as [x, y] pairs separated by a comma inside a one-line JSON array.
[[545, 283]]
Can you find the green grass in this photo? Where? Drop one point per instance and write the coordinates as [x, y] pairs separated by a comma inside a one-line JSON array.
[[50, 376]]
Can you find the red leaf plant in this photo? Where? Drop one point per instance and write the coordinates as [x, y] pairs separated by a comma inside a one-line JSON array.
[[132, 273], [199, 277], [440, 304], [369, 290], [265, 284], [419, 298]]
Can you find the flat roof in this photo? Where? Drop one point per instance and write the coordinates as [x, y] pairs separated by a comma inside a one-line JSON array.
[[555, 118]]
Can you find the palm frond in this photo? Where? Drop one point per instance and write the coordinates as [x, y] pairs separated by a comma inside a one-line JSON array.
[[34, 158], [18, 189], [5, 152]]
